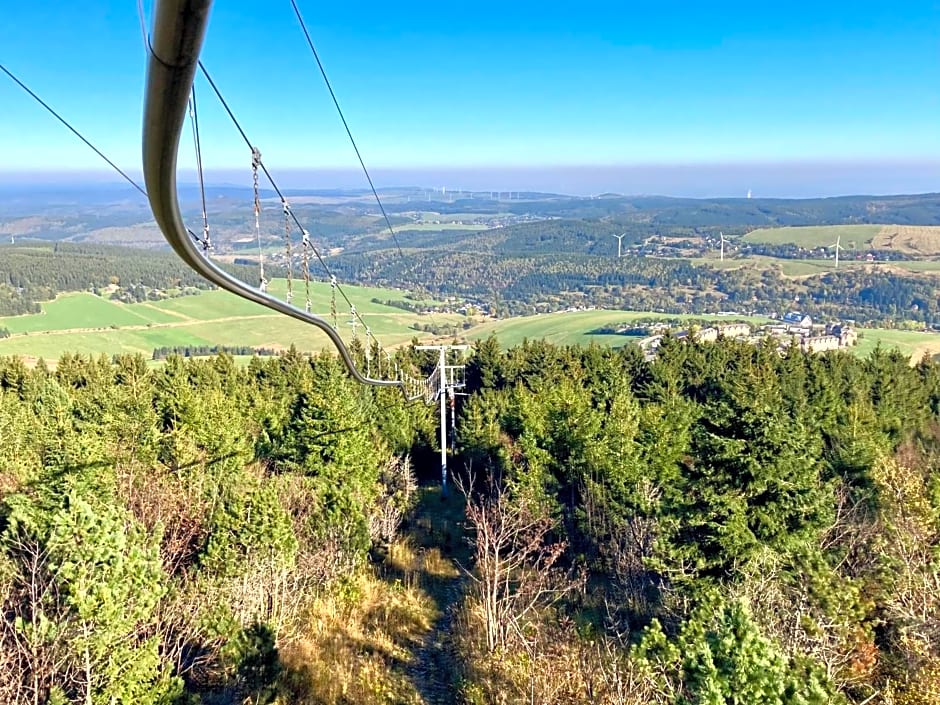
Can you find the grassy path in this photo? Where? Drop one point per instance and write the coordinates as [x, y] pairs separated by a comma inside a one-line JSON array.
[[435, 664], [439, 549]]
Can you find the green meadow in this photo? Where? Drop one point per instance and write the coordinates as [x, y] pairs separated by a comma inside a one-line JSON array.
[[83, 322], [914, 344], [809, 267]]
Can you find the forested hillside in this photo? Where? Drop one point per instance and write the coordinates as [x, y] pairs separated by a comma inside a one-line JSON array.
[[32, 272], [751, 528], [524, 284], [544, 253], [720, 525], [664, 211]]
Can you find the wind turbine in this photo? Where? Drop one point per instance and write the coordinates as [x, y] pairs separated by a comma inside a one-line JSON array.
[[619, 243], [838, 247], [722, 236]]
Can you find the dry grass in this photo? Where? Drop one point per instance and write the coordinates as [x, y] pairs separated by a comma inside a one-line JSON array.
[[555, 666], [359, 639], [923, 688], [8, 484], [911, 239], [366, 640], [419, 564]]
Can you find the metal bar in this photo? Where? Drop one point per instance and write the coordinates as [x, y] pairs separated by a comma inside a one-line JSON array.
[[179, 30], [443, 395]]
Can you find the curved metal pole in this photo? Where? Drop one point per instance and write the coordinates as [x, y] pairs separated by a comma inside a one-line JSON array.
[[179, 30]]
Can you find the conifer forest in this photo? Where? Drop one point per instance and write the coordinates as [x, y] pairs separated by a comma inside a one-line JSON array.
[[722, 524]]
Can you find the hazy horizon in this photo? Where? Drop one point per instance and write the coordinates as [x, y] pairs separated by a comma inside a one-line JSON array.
[[730, 180]]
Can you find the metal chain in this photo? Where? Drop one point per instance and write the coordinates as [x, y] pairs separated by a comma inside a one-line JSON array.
[[354, 322], [290, 259], [255, 163], [333, 300], [306, 263]]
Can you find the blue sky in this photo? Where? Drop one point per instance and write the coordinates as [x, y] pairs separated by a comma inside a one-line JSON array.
[[443, 89]]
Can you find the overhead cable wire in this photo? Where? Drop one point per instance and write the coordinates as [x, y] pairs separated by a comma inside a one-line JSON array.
[[73, 130], [78, 134], [143, 25], [329, 86], [179, 31], [277, 190], [342, 117]]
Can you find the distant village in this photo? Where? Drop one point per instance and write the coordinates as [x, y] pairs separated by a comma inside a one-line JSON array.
[[793, 329]]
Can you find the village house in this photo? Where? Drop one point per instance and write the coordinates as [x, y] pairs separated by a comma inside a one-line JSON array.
[[735, 330], [798, 324], [820, 343], [706, 335]]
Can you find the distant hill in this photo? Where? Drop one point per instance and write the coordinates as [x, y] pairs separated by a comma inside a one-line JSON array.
[[345, 222]]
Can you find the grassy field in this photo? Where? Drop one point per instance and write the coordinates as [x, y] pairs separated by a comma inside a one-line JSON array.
[[86, 323], [914, 344], [440, 227], [451, 217], [917, 240], [788, 267], [915, 265], [84, 311], [816, 235]]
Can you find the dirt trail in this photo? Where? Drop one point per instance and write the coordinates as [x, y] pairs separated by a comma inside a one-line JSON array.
[[438, 533], [434, 669]]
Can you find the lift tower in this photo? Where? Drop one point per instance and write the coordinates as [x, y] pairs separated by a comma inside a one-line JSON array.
[[450, 379]]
